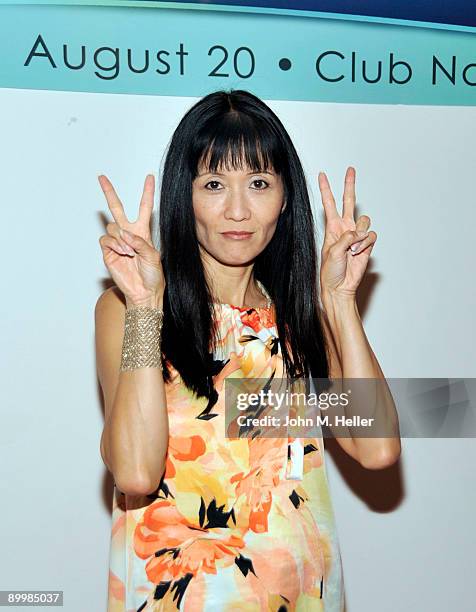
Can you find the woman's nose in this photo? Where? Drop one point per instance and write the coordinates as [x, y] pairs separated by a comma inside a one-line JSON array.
[[236, 206]]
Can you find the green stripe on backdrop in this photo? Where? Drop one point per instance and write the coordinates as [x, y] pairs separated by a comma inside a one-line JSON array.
[[128, 49]]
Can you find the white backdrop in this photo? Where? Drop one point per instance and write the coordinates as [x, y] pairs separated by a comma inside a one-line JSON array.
[[407, 534]]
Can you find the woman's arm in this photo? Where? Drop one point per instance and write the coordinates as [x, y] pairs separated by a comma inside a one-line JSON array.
[[135, 436], [351, 356], [345, 254]]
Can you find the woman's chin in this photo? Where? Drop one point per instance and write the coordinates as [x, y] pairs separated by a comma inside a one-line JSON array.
[[234, 259]]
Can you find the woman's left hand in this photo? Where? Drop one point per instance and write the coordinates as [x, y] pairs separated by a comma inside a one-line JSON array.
[[342, 269]]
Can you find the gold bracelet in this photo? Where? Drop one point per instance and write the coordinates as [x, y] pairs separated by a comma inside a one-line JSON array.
[[142, 338]]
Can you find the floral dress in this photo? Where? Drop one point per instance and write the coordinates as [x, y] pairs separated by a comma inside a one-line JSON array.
[[237, 524]]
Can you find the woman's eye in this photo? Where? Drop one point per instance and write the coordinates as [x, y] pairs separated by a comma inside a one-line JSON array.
[[212, 183], [260, 181]]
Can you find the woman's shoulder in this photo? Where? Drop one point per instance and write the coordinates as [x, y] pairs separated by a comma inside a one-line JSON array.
[[109, 316], [111, 299]]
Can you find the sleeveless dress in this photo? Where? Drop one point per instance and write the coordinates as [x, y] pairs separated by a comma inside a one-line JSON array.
[[236, 524]]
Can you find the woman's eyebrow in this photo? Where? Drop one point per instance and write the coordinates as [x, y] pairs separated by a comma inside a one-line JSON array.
[[248, 173]]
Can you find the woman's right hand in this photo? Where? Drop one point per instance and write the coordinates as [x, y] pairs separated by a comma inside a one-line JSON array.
[[128, 252]]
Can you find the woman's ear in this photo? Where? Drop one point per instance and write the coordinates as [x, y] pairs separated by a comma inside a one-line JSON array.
[[283, 206]]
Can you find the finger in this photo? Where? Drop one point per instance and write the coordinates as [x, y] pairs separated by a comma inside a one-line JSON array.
[[358, 247], [344, 243], [113, 201], [367, 250], [348, 198], [362, 224], [115, 231], [327, 197], [147, 200], [108, 242], [136, 242]]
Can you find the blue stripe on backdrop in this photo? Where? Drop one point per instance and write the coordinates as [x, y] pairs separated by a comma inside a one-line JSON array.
[[457, 12], [111, 49]]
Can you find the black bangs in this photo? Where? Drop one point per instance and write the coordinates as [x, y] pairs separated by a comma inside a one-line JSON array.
[[237, 142]]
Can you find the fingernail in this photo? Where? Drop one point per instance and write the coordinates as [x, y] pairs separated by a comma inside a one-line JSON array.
[[125, 247], [355, 246]]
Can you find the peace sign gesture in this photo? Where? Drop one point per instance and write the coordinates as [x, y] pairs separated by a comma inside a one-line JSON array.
[[342, 267], [128, 252]]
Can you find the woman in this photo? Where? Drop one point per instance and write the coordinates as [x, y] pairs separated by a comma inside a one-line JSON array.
[[202, 521]]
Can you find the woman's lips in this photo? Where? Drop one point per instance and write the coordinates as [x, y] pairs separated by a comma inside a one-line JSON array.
[[237, 235]]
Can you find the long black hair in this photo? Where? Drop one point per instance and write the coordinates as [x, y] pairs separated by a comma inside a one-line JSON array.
[[236, 128]]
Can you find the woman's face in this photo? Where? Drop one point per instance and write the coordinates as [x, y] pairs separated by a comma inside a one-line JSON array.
[[236, 201]]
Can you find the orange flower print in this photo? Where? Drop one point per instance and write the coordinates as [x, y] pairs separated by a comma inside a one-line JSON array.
[[258, 318], [266, 460], [312, 455], [178, 549], [183, 449], [267, 317], [116, 587], [231, 365], [251, 318]]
